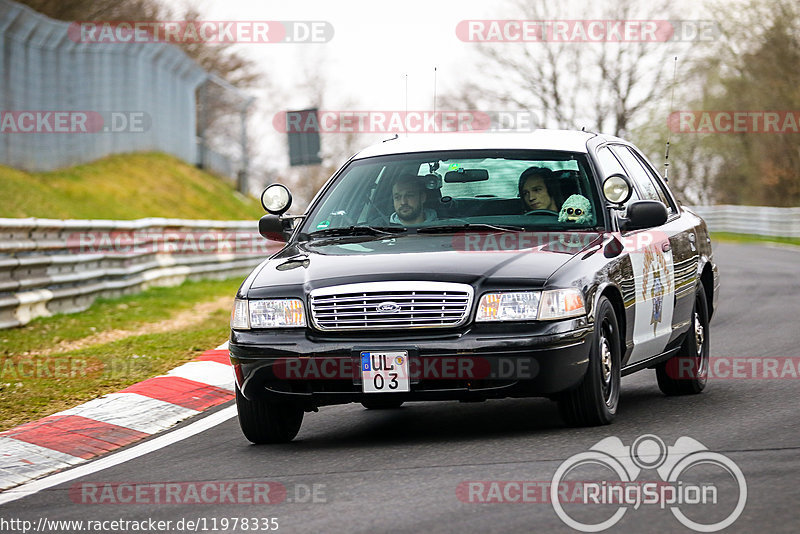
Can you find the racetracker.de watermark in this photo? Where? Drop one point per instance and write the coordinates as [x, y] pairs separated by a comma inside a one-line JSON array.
[[201, 492], [24, 368], [586, 31], [563, 242], [73, 122], [463, 367], [732, 122], [635, 493], [201, 31], [392, 121], [737, 368], [168, 242]]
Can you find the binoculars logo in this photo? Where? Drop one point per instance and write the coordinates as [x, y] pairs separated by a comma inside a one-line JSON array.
[[647, 452]]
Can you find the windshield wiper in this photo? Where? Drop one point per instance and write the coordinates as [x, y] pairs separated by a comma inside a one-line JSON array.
[[356, 230], [444, 229]]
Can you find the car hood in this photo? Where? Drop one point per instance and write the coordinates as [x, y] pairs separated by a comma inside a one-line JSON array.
[[525, 259]]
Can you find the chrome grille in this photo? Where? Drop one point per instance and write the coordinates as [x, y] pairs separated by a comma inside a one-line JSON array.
[[389, 305]]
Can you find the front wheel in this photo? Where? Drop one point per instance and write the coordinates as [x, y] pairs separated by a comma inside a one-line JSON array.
[[594, 402], [264, 421], [686, 373]]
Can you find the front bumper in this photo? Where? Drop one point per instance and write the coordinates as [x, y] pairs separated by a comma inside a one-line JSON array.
[[478, 362]]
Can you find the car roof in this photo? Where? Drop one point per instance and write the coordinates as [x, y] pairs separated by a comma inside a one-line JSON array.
[[565, 140]]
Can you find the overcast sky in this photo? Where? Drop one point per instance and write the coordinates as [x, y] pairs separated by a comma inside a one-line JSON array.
[[374, 45]]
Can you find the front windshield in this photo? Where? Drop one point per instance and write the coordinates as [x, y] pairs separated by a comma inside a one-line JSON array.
[[528, 190]]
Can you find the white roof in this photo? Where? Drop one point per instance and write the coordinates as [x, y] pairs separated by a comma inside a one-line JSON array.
[[566, 140]]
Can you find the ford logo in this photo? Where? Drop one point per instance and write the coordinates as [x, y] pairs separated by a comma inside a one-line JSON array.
[[388, 307]]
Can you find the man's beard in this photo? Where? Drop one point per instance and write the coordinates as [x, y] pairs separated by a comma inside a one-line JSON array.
[[412, 215]]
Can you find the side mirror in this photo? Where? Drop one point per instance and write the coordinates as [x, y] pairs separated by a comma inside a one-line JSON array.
[[276, 199], [274, 228], [617, 189], [644, 214]]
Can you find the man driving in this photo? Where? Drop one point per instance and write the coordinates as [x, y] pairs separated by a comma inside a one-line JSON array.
[[408, 195]]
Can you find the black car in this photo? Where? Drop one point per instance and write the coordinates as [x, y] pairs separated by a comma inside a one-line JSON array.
[[469, 267]]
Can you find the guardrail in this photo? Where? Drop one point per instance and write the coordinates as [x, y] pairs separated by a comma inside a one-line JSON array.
[[755, 220], [52, 266]]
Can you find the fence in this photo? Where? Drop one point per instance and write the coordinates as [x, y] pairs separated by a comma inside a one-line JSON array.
[[138, 96], [49, 266], [756, 220]]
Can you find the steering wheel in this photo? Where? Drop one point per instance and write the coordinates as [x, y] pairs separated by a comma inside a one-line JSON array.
[[542, 212]]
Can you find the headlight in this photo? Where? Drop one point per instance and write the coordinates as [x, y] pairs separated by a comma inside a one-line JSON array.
[[516, 306], [277, 313], [531, 305], [561, 304], [239, 315]]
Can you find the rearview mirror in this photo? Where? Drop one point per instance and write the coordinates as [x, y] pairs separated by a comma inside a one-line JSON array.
[[466, 175]]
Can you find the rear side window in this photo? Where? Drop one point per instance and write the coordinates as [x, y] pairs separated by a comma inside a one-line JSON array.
[[644, 179]]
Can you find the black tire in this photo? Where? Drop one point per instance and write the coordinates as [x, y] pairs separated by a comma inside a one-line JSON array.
[[594, 402], [263, 421], [686, 373], [381, 403]]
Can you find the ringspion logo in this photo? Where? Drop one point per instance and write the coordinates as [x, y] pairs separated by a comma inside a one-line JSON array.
[[673, 464]]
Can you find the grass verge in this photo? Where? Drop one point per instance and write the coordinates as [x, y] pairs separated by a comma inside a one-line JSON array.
[[37, 385], [124, 186], [750, 238]]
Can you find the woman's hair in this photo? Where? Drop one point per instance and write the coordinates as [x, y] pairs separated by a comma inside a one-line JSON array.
[[547, 177]]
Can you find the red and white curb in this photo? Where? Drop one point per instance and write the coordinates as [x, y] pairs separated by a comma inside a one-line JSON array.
[[112, 421]]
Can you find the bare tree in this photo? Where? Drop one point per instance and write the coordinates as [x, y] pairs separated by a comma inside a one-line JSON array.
[[751, 67], [603, 86]]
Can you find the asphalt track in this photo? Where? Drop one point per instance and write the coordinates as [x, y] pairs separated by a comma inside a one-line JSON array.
[[399, 471]]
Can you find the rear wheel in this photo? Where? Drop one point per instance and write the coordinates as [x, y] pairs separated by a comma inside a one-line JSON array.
[[381, 404], [594, 401], [686, 373], [264, 421]]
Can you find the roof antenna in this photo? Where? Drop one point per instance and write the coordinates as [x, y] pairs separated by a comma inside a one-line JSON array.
[[583, 128], [669, 133], [434, 99], [405, 117]]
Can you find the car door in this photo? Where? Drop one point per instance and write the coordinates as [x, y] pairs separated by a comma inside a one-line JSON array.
[[668, 267]]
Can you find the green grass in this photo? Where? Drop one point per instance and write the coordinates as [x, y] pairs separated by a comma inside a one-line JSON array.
[[124, 186], [124, 313], [749, 238], [43, 385], [79, 376]]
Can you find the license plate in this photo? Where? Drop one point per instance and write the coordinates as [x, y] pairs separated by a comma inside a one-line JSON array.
[[385, 372]]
